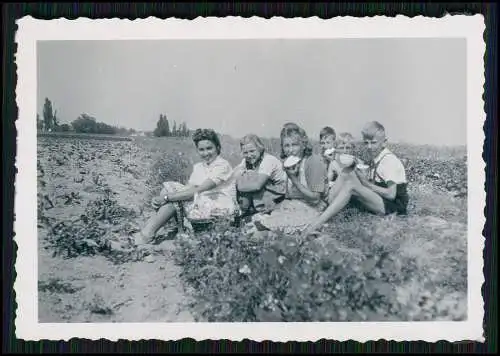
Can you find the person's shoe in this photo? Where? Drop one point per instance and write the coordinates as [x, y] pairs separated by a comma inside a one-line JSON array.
[[260, 226], [140, 239], [309, 233], [169, 234]]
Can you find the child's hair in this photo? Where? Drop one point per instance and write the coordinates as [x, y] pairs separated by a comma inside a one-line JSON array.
[[288, 127], [372, 129], [209, 135], [291, 129], [346, 138], [252, 138], [327, 131]]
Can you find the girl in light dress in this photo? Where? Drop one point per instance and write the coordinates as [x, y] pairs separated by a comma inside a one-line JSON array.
[[306, 185]]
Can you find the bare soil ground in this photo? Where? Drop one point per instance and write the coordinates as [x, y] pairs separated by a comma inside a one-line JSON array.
[[94, 288]]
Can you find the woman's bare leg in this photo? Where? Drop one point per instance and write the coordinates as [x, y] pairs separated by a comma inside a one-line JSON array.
[[152, 226]]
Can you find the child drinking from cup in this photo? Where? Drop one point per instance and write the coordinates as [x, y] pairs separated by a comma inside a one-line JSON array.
[[342, 159]]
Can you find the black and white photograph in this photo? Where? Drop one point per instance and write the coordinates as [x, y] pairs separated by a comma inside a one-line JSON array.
[[209, 179]]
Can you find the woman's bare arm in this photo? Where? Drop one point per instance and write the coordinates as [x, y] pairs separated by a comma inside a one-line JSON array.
[[190, 191]]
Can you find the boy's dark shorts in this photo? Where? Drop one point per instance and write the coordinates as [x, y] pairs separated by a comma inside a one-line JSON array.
[[391, 206]]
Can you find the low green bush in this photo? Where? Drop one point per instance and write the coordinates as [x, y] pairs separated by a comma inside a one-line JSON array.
[[346, 274]]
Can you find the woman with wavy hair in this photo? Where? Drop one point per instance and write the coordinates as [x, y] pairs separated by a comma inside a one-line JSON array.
[[306, 183], [209, 192]]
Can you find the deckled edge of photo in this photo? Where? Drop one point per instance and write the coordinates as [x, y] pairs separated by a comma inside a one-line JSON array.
[[31, 30]]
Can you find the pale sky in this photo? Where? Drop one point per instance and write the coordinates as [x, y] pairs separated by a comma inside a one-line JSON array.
[[415, 87]]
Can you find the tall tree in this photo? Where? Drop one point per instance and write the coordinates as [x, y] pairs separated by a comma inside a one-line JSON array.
[[48, 116], [166, 126], [174, 129], [184, 130], [55, 122], [157, 130], [162, 127]]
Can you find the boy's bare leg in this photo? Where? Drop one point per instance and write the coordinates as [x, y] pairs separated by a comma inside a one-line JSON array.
[[370, 200], [351, 187], [337, 187]]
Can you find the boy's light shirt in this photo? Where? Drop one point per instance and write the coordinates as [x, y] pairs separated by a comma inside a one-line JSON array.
[[390, 169]]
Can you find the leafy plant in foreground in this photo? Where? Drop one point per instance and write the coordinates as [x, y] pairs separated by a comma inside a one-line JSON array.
[[270, 276], [89, 233]]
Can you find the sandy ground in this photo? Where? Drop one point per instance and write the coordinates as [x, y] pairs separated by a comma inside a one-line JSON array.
[[92, 288]]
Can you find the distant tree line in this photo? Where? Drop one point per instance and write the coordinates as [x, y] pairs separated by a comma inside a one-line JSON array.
[[83, 124], [163, 128], [88, 124]]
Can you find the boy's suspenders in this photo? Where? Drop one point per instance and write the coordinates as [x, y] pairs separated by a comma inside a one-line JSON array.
[[401, 192], [375, 167]]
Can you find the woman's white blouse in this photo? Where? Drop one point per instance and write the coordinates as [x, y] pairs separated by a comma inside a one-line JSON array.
[[219, 171]]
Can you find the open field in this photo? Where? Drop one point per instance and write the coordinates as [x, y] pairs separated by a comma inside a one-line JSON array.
[[84, 136], [93, 193]]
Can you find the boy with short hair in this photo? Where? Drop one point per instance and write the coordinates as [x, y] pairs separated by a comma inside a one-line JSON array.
[[383, 192], [327, 139]]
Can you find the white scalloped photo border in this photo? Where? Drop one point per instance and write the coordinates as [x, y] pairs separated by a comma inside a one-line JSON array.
[[31, 30]]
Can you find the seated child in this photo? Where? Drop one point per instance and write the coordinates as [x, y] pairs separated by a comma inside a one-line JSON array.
[[327, 141], [305, 184], [344, 145], [383, 191], [260, 178]]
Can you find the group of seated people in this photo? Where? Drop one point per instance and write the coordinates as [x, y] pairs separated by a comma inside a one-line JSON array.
[[300, 189]]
